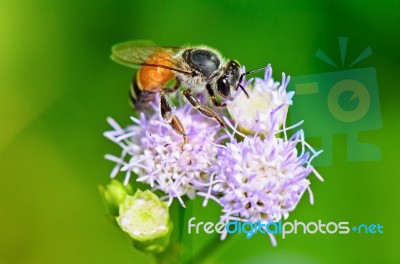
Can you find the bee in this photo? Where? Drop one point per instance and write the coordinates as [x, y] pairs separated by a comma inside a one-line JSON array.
[[198, 69]]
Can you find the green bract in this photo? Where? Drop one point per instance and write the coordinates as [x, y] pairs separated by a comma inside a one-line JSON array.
[[114, 194]]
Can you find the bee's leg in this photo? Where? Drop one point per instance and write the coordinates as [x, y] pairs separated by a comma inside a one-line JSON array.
[[203, 109], [212, 97], [173, 120]]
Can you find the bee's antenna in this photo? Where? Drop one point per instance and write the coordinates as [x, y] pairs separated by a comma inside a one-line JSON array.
[[256, 70], [247, 73]]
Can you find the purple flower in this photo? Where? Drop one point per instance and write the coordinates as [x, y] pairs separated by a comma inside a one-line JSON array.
[[153, 151], [262, 178]]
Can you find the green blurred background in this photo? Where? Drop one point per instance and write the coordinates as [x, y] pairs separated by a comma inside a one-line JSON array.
[[58, 85]]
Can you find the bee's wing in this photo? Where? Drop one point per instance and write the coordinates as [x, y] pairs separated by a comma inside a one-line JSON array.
[[137, 53]]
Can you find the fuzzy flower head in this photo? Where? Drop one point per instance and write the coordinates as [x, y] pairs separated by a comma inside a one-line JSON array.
[[262, 178], [265, 96], [153, 151]]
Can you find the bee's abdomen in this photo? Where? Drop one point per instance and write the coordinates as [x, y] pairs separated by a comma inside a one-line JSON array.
[[140, 99], [153, 78]]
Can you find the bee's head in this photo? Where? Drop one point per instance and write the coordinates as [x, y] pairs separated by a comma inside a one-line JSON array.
[[230, 81]]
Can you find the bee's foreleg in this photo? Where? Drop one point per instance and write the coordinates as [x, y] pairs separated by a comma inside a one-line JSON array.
[[173, 120], [212, 97], [203, 109]]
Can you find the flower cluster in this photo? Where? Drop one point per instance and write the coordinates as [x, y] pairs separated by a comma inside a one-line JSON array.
[[153, 151], [254, 170]]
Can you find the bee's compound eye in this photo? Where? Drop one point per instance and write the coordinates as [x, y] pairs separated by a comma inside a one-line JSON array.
[[223, 87]]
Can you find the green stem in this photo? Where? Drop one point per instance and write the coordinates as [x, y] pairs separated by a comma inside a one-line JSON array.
[[181, 217], [207, 250], [173, 254]]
